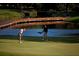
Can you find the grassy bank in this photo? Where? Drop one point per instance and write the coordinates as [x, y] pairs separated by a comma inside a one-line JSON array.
[[34, 46], [6, 14]]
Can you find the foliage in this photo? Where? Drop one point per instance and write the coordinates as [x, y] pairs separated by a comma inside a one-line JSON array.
[[33, 13], [73, 19], [8, 14]]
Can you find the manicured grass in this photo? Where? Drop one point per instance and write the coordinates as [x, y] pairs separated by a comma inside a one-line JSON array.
[[33, 47], [73, 19]]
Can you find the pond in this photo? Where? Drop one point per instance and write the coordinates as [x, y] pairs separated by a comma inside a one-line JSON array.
[[34, 32]]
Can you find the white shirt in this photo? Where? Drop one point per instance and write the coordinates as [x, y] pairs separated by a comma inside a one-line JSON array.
[[21, 31]]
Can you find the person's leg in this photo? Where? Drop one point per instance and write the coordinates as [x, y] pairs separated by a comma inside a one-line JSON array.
[[45, 36], [20, 38]]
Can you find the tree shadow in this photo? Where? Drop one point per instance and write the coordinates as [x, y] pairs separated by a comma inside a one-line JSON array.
[[39, 39], [65, 39], [54, 39]]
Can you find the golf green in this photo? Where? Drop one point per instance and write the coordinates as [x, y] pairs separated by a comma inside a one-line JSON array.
[[10, 47]]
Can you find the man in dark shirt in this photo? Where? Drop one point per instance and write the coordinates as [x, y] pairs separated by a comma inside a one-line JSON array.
[[45, 30]]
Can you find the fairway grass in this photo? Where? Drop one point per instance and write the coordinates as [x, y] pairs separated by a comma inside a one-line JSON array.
[[12, 47]]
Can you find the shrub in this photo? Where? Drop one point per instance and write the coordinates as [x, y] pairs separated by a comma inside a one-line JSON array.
[[8, 14], [73, 19]]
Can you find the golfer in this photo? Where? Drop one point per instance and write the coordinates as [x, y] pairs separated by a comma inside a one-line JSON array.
[[20, 35], [45, 31]]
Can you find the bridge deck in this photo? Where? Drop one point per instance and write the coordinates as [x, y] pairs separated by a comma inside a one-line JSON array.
[[31, 21]]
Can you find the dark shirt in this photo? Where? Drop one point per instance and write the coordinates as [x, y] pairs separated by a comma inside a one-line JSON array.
[[45, 29]]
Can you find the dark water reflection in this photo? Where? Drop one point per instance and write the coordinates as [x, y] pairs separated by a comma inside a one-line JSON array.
[[34, 32]]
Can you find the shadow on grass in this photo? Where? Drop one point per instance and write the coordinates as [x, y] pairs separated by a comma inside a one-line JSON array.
[[6, 54], [54, 39], [39, 39]]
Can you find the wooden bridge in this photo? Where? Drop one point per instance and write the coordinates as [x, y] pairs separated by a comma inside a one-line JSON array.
[[26, 22]]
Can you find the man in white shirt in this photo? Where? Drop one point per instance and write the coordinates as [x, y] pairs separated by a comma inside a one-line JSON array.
[[20, 35]]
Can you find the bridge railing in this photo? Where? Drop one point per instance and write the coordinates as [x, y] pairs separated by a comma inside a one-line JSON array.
[[34, 21]]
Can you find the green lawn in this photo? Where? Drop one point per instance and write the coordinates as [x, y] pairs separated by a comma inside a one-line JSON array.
[[11, 47]]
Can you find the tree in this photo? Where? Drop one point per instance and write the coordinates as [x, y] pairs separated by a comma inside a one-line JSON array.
[[33, 13]]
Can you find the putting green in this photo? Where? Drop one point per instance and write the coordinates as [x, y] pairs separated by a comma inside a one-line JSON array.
[[35, 48]]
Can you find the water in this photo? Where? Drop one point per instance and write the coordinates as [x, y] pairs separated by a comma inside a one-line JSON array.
[[34, 32]]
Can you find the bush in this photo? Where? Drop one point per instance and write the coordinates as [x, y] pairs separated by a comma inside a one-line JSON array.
[[73, 19], [8, 14]]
